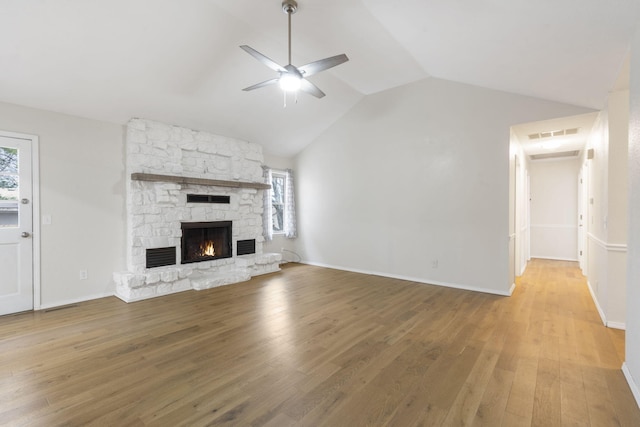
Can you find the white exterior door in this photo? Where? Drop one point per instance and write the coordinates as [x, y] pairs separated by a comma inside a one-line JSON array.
[[16, 225]]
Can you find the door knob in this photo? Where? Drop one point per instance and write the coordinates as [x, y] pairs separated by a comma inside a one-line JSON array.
[[25, 234]]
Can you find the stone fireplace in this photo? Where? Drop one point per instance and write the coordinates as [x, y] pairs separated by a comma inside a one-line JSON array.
[[192, 199]]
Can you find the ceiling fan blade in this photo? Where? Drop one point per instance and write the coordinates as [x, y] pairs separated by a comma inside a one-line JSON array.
[[260, 57], [261, 84], [322, 64], [310, 88]]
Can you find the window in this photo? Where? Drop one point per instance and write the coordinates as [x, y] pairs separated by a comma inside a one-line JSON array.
[[9, 191], [279, 213], [278, 180]]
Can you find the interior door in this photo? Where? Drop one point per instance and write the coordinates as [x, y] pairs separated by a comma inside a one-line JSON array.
[[16, 223], [582, 218]]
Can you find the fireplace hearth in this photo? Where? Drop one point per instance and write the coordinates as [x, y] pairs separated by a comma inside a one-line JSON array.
[[205, 241]]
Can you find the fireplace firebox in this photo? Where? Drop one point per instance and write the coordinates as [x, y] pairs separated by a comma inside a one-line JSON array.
[[205, 241]]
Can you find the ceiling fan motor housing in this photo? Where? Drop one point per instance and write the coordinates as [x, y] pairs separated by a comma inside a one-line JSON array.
[[289, 6]]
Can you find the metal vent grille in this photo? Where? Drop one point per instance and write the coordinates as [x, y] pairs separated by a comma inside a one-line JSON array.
[[206, 198], [157, 257], [246, 247], [550, 134]]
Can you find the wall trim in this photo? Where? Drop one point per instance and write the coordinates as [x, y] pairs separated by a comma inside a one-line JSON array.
[[524, 267], [595, 301], [632, 384], [612, 247], [75, 300], [605, 322], [553, 258], [554, 226], [617, 325], [412, 279]]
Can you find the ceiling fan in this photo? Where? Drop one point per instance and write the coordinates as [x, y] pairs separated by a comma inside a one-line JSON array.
[[293, 78]]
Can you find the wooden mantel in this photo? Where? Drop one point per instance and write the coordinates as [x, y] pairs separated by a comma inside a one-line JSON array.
[[197, 181]]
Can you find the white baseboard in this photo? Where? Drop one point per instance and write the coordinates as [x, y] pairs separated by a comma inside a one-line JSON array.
[[412, 279], [513, 288], [595, 301], [607, 323], [616, 325], [522, 270], [632, 384], [554, 258], [74, 300]]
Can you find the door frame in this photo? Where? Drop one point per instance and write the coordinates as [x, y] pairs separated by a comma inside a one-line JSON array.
[[35, 213]]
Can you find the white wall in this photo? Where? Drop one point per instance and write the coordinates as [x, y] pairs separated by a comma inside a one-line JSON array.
[[82, 188], [413, 175], [607, 209], [617, 207], [554, 208], [280, 242], [632, 336]]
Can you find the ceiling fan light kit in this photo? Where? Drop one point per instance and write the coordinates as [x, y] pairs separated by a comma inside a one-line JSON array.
[[292, 78], [289, 83]]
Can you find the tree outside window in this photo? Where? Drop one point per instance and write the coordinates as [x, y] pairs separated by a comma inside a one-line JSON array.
[[277, 202], [8, 173]]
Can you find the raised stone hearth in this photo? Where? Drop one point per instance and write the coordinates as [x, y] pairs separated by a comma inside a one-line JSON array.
[[164, 164]]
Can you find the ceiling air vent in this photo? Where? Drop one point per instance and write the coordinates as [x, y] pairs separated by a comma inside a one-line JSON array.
[[553, 133], [573, 153]]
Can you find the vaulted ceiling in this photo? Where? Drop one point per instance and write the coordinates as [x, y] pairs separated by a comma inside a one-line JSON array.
[[179, 61]]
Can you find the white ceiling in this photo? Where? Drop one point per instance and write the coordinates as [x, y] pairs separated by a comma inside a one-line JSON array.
[[179, 61]]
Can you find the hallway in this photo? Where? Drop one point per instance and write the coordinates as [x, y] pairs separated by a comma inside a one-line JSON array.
[[579, 381]]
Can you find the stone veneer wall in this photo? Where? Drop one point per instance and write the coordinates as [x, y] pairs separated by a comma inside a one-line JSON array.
[[155, 210]]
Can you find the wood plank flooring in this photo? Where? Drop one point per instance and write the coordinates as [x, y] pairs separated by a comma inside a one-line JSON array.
[[318, 347]]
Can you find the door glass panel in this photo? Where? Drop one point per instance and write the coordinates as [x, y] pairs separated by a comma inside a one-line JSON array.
[[9, 187]]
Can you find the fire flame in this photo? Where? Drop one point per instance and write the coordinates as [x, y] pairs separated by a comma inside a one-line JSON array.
[[206, 249]]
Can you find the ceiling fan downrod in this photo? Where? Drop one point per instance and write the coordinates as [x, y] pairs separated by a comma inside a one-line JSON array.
[[289, 7]]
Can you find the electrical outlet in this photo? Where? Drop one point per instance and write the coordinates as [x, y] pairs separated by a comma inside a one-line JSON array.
[[83, 275], [434, 263]]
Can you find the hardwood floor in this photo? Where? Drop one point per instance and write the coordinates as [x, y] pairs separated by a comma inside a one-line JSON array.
[[312, 346]]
